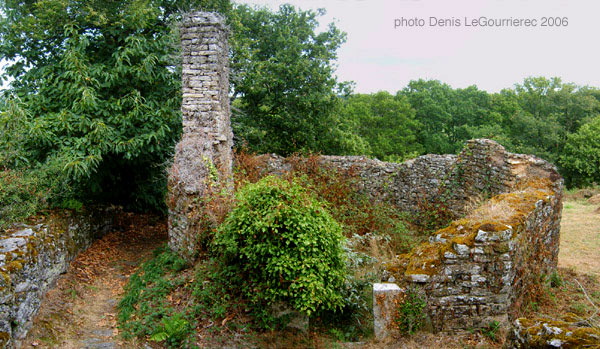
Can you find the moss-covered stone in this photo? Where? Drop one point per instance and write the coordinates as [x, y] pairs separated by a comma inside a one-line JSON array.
[[34, 255], [548, 333]]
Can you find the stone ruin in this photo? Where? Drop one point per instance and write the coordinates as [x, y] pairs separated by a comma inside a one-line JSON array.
[[203, 156], [477, 269], [32, 257], [472, 272]]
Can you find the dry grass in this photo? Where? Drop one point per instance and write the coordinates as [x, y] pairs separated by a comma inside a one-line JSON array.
[[569, 299], [492, 210], [580, 237], [594, 200]]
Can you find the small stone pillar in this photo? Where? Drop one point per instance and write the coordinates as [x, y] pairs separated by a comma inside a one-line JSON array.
[[204, 156], [386, 298]]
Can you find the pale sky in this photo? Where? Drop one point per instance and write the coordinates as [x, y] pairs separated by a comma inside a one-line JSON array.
[[378, 56]]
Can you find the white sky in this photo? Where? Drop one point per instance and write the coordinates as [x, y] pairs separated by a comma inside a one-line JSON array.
[[378, 57]]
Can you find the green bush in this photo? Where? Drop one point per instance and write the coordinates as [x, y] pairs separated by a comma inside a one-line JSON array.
[[580, 158], [27, 191], [284, 246], [411, 315]]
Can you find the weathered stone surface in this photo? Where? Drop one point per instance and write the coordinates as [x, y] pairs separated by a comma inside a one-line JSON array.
[[475, 172], [549, 333], [386, 298], [33, 257], [203, 156]]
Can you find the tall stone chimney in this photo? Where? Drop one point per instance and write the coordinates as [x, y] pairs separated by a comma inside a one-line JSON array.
[[204, 156]]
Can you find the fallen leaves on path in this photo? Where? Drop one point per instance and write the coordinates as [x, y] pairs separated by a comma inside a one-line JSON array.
[[82, 308]]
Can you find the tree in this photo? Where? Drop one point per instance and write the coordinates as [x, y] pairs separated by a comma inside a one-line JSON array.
[[549, 110], [282, 74], [98, 84], [387, 123], [450, 117], [580, 159], [431, 101]]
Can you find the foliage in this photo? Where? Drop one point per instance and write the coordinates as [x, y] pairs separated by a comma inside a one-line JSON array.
[[284, 245], [356, 211], [214, 291], [491, 330], [386, 123], [355, 319], [144, 306], [449, 117], [97, 90], [432, 214], [581, 156], [410, 317], [19, 196], [25, 192], [284, 82], [173, 330]]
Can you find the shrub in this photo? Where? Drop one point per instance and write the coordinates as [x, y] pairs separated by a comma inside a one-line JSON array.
[[27, 191], [411, 316], [284, 246]]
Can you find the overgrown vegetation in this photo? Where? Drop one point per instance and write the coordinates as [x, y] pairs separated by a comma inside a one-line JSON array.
[[284, 245], [144, 306], [279, 244], [411, 316]]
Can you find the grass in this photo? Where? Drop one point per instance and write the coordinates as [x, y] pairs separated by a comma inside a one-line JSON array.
[[580, 236]]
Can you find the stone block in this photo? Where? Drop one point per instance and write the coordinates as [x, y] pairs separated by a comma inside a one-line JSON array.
[[386, 298]]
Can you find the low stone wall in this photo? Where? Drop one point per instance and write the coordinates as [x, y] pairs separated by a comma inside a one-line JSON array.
[[481, 169], [33, 256], [478, 269]]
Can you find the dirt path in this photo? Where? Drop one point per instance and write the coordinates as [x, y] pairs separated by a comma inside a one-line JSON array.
[[580, 237], [81, 311]]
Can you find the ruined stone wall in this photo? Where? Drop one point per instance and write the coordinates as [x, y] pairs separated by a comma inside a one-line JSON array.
[[479, 268], [33, 256], [476, 270], [204, 153], [480, 170]]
